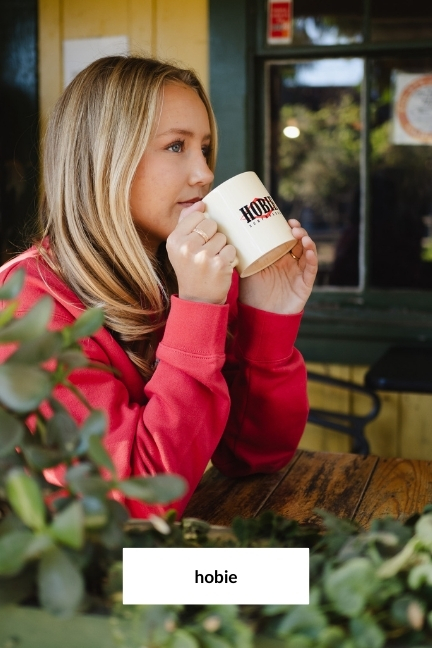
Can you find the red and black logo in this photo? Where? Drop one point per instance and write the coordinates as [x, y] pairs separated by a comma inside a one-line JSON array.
[[258, 208]]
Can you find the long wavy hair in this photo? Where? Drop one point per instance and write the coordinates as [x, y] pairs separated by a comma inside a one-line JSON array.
[[96, 136]]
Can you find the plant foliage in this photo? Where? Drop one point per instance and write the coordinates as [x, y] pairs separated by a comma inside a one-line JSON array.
[[61, 546]]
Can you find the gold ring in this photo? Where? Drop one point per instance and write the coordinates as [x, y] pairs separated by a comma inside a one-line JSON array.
[[294, 256], [201, 233]]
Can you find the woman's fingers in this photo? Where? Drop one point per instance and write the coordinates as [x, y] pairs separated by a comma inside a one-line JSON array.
[[201, 258], [205, 230], [229, 254]]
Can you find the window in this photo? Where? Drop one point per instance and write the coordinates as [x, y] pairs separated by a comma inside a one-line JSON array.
[[339, 126]]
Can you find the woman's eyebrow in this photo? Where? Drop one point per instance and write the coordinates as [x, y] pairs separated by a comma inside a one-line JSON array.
[[182, 131]]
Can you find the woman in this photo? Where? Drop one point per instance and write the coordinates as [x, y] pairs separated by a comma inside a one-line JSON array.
[[206, 367]]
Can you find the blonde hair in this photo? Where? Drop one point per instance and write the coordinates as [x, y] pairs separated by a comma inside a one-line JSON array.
[[96, 136]]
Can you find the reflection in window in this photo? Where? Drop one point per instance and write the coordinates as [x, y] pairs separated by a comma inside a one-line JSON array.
[[327, 23], [315, 154], [401, 185]]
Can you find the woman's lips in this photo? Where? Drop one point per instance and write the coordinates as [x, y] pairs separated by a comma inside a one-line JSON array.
[[188, 203]]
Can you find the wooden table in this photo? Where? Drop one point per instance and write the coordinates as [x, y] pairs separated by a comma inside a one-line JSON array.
[[350, 486]]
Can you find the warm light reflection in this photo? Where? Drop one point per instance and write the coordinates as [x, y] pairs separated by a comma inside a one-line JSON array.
[[291, 131]]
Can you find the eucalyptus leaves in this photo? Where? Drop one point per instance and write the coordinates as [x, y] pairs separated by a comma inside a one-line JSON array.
[[46, 551]]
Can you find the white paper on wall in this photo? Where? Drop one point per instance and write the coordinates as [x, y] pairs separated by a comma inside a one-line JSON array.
[[80, 52], [412, 109]]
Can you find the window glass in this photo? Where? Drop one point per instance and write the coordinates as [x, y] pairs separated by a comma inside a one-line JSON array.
[[401, 21], [401, 173], [315, 127], [327, 23]]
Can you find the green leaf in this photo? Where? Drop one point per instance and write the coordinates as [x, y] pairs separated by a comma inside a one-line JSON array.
[[68, 526], [89, 322], [95, 424], [40, 458], [73, 359], [350, 586], [112, 535], [161, 488], [331, 637], [23, 388], [420, 575], [182, 639], [36, 351], [40, 543], [11, 432], [7, 313], [213, 641], [13, 286], [423, 529], [25, 498], [98, 454], [31, 325], [306, 619], [62, 430], [75, 474], [367, 633], [60, 584], [13, 549], [398, 562], [96, 512], [83, 481]]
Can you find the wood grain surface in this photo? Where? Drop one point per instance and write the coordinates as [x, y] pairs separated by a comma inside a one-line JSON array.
[[335, 482], [399, 487], [347, 485], [219, 499]]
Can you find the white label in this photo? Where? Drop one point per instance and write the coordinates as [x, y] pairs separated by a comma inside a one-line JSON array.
[[173, 576], [80, 52]]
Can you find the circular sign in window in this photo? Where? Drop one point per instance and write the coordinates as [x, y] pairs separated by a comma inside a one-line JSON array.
[[414, 109]]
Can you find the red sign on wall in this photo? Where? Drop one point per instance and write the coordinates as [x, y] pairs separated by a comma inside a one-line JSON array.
[[279, 22]]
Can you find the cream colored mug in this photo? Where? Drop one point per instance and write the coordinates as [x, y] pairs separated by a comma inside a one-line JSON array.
[[252, 222]]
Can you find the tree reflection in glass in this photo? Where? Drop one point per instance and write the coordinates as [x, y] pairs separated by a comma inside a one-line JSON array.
[[316, 175]]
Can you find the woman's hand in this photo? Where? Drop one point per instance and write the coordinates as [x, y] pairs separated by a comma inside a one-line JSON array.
[[285, 286], [203, 267]]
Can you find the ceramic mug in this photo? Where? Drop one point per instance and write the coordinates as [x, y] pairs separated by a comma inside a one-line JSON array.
[[252, 222]]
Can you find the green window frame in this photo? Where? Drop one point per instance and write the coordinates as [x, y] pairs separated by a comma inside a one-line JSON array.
[[350, 326]]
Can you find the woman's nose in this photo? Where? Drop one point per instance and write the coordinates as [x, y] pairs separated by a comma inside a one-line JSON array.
[[200, 171]]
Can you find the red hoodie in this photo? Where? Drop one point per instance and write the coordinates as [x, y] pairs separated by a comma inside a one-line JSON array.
[[244, 407]]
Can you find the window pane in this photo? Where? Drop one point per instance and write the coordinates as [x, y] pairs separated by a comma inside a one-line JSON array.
[[401, 20], [327, 23], [315, 127], [401, 177]]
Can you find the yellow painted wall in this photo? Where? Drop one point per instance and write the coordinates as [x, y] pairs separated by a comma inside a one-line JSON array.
[[178, 29], [174, 29], [403, 427]]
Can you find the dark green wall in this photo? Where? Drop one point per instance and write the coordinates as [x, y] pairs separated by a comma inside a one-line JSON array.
[[228, 84]]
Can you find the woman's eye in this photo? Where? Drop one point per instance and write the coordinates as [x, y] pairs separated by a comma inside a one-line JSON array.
[[176, 147], [206, 151]]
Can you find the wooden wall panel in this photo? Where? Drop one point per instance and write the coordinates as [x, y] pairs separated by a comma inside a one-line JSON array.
[[403, 427], [142, 26], [416, 426], [50, 56], [182, 33], [164, 28], [383, 433], [92, 18], [326, 397]]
